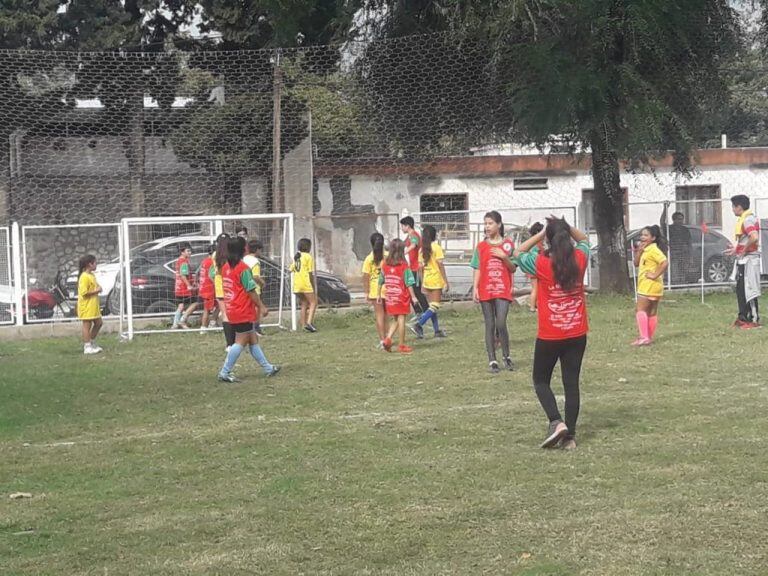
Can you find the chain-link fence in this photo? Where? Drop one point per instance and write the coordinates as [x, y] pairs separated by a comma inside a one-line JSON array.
[[6, 282]]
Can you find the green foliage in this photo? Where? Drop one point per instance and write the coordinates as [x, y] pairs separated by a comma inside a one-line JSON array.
[[29, 24]]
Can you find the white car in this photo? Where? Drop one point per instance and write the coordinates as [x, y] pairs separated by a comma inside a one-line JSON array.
[[160, 250]]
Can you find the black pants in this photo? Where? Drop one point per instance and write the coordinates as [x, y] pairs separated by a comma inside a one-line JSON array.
[[423, 303], [495, 315], [748, 311], [570, 353]]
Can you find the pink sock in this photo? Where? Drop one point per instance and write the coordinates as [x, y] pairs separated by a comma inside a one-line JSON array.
[[652, 322], [642, 324]]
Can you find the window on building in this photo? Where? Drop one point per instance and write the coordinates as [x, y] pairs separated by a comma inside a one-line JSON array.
[[587, 212], [450, 217], [692, 202], [530, 183]]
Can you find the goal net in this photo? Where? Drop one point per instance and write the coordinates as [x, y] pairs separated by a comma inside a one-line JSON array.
[[146, 295]]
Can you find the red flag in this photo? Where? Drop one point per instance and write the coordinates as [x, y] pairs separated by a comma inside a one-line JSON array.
[[704, 228]]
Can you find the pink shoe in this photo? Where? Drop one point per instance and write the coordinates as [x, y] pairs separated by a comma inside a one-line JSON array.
[[641, 342]]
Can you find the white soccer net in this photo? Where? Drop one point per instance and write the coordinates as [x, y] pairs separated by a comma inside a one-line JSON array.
[[150, 248]]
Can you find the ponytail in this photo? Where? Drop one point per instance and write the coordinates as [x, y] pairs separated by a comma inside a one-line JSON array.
[[84, 262], [305, 245], [377, 243], [561, 253], [660, 241], [428, 235]]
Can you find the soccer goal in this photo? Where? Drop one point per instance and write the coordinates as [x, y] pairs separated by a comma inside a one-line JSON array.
[[150, 248]]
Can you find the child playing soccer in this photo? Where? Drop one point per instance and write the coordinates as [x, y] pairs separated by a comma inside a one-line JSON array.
[[493, 287], [412, 248], [303, 268], [434, 281], [252, 254], [219, 260], [206, 292], [242, 304], [398, 281], [649, 255], [88, 307], [184, 288], [532, 231], [371, 274]]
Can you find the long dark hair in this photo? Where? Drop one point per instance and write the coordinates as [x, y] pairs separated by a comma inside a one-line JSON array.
[[235, 250], [660, 241], [496, 217], [428, 235], [221, 251], [561, 253], [377, 243], [305, 245], [84, 262], [396, 252]]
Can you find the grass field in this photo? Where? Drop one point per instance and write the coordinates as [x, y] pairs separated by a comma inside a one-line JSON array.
[[353, 461]]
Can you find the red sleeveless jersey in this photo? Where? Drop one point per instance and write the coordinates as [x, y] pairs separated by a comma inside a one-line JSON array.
[[562, 314], [180, 288], [240, 307], [396, 293], [495, 278]]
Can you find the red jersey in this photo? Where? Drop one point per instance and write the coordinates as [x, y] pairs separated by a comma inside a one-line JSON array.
[[412, 247], [396, 293], [562, 314], [238, 282], [495, 278], [204, 282], [183, 269]]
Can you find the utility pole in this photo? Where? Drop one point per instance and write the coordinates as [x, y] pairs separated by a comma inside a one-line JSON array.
[[278, 202]]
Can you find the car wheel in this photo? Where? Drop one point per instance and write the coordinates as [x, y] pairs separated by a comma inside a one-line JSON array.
[[160, 306], [716, 271]]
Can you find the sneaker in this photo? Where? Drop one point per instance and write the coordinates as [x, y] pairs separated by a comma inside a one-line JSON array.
[[641, 342], [738, 323], [174, 326], [403, 349], [381, 345], [556, 431], [274, 371], [493, 367], [90, 349], [508, 364], [96, 349], [749, 325], [568, 443], [441, 334], [227, 378], [388, 344], [417, 329], [310, 328], [183, 325]]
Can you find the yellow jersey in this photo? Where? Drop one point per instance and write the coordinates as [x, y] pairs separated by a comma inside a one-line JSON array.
[[432, 278], [88, 307], [374, 271], [218, 281], [651, 258], [302, 283], [255, 265]]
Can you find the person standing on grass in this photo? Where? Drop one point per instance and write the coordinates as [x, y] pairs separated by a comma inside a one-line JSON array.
[[398, 283], [252, 257], [243, 310], [371, 274], [747, 266], [680, 248], [433, 280], [88, 307], [493, 287], [650, 257], [412, 249], [219, 260], [303, 268], [563, 326], [184, 288], [206, 295]]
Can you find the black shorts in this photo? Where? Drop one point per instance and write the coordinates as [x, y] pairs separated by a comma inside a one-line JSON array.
[[243, 327], [186, 300]]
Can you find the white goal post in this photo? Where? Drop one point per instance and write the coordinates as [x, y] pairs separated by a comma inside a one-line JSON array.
[[150, 247]]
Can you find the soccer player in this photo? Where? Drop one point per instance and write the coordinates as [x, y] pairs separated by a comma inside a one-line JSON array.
[[493, 287], [252, 259], [398, 281], [242, 304], [88, 307], [649, 255], [412, 249], [563, 326], [371, 274], [206, 292], [184, 288], [219, 260], [746, 250], [434, 281], [303, 268]]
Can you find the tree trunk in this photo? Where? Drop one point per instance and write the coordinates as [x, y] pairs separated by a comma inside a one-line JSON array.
[[609, 214]]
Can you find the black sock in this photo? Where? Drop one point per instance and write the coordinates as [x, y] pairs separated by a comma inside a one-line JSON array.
[[229, 333]]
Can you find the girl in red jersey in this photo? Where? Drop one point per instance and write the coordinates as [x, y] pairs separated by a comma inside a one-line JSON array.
[[206, 290], [184, 287], [243, 306], [563, 324], [493, 287], [398, 281]]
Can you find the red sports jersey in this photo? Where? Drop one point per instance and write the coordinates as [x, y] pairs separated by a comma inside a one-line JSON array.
[[495, 278], [562, 315], [238, 282], [183, 269], [412, 247], [205, 284], [396, 293]]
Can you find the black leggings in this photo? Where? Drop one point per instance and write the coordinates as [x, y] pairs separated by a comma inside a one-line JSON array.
[[422, 300], [570, 353], [495, 315]]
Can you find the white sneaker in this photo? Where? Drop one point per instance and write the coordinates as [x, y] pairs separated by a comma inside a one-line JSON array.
[[90, 349], [96, 349]]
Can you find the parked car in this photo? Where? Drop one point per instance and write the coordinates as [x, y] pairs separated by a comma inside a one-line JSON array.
[[717, 265], [152, 285]]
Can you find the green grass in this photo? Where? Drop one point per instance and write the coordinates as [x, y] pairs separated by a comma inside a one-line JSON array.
[[358, 462]]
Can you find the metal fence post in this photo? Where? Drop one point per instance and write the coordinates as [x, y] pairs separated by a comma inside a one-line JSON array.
[[16, 282]]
